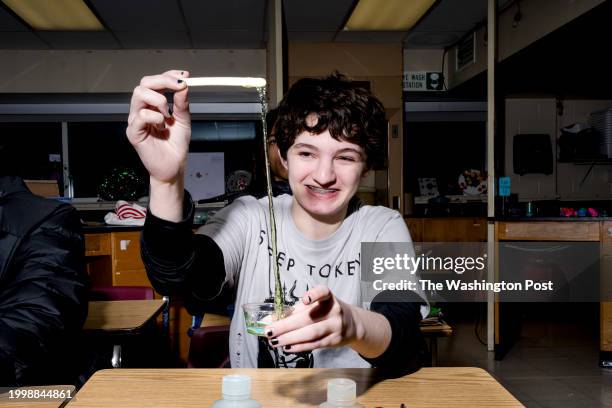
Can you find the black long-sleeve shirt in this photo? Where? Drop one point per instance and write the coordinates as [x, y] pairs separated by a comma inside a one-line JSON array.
[[179, 262]]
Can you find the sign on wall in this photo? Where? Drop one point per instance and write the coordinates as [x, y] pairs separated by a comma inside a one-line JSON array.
[[423, 81]]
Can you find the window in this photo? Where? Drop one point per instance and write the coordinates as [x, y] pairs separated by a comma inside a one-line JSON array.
[[95, 149], [443, 150], [32, 150]]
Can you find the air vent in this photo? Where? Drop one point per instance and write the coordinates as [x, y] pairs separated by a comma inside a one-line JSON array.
[[466, 55]]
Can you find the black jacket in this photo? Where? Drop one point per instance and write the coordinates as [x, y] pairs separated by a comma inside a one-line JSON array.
[[43, 286]]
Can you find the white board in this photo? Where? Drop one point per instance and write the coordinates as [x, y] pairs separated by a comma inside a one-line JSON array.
[[205, 175]]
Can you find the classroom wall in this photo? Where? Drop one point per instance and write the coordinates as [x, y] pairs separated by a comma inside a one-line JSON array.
[[423, 60], [539, 115], [101, 71]]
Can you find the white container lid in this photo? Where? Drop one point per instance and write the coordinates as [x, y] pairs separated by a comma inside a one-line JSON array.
[[341, 391], [236, 385]]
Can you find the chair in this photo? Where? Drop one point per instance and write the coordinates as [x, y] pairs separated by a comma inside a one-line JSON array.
[[209, 347], [121, 293], [431, 333]]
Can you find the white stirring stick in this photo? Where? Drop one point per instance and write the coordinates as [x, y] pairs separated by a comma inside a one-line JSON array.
[[246, 82]]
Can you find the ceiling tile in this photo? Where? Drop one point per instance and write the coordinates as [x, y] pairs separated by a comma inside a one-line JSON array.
[[452, 15], [311, 36], [21, 40], [154, 39], [140, 15], [225, 15], [10, 23], [316, 15], [80, 40]]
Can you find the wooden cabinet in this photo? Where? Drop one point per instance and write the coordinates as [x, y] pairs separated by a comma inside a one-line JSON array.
[[549, 231], [455, 230], [113, 259], [128, 269], [447, 229], [605, 273], [97, 245], [415, 227], [606, 232]]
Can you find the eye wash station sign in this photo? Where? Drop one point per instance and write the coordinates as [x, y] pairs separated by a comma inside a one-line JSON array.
[[415, 81]]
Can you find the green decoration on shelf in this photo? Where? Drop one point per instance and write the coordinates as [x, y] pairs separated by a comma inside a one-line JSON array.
[[122, 184]]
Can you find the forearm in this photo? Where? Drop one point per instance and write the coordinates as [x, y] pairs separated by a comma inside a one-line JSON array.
[[402, 313], [166, 199], [372, 332], [181, 263]]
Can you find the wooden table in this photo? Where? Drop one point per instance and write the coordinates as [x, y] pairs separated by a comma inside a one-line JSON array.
[[121, 317], [299, 387]]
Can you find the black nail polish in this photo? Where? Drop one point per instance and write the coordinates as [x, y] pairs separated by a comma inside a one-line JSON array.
[[180, 81], [269, 333], [287, 347], [274, 342]]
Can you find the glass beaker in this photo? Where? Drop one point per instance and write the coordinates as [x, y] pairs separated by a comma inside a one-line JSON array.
[[259, 315]]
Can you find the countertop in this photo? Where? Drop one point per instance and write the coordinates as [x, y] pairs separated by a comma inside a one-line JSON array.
[[97, 228], [100, 227], [522, 219], [569, 219]]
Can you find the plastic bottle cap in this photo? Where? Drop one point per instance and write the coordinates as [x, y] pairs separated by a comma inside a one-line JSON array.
[[236, 385], [341, 391]]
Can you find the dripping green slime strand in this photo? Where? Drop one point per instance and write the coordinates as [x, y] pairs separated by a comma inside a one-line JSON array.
[[278, 294]]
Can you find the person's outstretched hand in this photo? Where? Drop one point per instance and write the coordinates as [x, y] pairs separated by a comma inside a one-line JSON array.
[[319, 320], [161, 137], [322, 320]]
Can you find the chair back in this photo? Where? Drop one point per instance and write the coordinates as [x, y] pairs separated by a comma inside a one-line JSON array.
[[121, 293], [209, 347]]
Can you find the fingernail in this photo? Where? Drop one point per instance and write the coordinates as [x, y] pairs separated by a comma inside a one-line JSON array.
[[169, 111], [288, 347], [307, 299], [180, 81], [274, 341], [269, 333]]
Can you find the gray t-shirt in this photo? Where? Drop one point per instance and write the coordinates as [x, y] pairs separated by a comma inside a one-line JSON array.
[[241, 231]]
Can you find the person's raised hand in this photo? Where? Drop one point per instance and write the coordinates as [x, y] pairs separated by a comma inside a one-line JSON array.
[[161, 137]]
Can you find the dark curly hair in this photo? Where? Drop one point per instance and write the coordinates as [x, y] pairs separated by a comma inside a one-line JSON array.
[[348, 112]]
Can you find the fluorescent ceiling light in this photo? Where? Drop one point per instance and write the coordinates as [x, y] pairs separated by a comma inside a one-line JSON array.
[[68, 15], [387, 15]]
